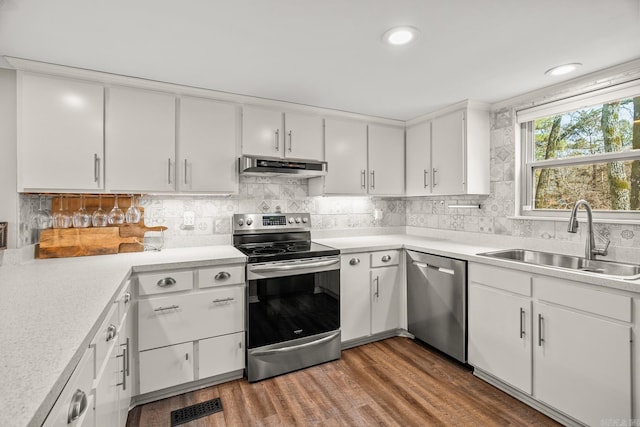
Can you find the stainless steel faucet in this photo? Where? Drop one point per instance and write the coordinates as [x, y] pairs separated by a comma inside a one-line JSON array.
[[590, 250]]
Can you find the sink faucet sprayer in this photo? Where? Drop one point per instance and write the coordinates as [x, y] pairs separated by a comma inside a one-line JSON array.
[[590, 250]]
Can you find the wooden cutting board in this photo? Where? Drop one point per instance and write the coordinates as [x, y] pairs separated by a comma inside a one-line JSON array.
[[73, 242]]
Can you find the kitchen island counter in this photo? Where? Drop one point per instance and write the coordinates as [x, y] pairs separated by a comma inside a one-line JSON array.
[[50, 309]]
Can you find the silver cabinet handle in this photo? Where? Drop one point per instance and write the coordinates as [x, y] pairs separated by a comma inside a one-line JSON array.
[[124, 369], [435, 182], [424, 178], [363, 178], [386, 258], [277, 135], [77, 406], [111, 332], [126, 297], [171, 307], [377, 292], [185, 171], [373, 180], [521, 322], [540, 329], [169, 170], [167, 281], [186, 356], [354, 261], [217, 301], [127, 360], [96, 168], [223, 275], [290, 141]]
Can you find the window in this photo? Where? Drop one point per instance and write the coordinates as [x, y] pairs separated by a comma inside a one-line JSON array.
[[586, 147]]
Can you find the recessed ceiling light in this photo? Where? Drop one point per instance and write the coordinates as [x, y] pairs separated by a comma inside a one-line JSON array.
[[398, 36], [563, 69]]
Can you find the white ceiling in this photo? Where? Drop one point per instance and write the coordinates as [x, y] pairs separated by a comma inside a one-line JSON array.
[[328, 53]]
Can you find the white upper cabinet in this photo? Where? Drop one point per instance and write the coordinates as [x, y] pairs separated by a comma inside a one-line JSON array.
[[450, 154], [207, 141], [418, 160], [272, 133], [386, 160], [60, 134], [140, 141]]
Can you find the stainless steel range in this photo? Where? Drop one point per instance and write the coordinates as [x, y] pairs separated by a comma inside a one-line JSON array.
[[293, 303]]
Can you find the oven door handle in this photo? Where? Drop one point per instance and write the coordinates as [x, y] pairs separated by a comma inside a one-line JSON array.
[[296, 266], [296, 347]]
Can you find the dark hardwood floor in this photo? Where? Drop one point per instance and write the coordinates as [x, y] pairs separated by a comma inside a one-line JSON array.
[[395, 382]]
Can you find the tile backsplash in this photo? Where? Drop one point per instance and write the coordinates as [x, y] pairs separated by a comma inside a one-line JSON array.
[[269, 194]]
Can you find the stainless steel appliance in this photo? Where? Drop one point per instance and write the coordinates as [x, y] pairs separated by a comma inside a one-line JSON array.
[[259, 165], [293, 302], [437, 302]]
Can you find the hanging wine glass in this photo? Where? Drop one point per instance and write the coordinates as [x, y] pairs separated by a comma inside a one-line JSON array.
[[42, 218], [99, 217], [133, 213], [81, 218], [116, 216], [61, 217]]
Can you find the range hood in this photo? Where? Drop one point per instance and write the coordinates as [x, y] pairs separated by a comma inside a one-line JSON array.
[[259, 165]]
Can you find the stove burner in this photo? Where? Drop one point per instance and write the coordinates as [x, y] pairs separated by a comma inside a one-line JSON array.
[[267, 251], [296, 247]]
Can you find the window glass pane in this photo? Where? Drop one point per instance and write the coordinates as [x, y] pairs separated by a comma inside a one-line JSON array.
[[606, 186], [599, 129]]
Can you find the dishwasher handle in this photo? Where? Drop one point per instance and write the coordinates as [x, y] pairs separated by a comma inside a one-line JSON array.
[[433, 267]]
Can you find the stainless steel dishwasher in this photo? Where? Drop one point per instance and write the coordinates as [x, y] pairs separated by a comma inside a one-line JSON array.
[[437, 302]]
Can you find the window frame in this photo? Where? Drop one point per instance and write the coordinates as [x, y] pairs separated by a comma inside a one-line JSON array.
[[526, 141]]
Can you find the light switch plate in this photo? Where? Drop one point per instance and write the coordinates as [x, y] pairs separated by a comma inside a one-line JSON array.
[[189, 219]]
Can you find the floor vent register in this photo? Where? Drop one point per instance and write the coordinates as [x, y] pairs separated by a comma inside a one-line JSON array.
[[193, 412]]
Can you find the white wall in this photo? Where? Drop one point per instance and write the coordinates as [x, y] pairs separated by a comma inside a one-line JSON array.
[[8, 129]]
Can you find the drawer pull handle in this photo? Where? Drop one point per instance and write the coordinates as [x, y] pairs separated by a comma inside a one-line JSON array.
[[127, 297], [386, 258], [223, 275], [77, 406], [540, 329], [111, 332], [216, 301], [354, 261], [521, 322], [171, 307], [167, 281]]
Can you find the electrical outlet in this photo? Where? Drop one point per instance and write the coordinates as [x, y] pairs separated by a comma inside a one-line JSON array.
[[189, 219]]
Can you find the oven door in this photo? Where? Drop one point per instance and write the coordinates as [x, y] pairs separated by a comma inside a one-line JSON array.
[[289, 300]]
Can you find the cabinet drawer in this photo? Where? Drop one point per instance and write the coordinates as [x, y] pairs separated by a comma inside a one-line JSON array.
[[179, 318], [221, 355], [166, 367], [221, 276], [165, 282], [77, 390], [105, 337], [385, 258], [518, 282], [577, 296]]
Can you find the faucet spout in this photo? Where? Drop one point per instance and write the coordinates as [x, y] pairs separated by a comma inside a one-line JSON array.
[[590, 250]]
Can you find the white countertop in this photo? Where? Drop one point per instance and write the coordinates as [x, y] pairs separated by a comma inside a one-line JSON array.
[[51, 308]]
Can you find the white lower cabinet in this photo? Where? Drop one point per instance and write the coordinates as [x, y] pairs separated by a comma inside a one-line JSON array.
[[565, 344], [165, 367], [370, 294], [220, 355]]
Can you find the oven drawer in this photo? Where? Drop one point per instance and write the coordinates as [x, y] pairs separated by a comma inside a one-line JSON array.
[[222, 275], [165, 282], [175, 319]]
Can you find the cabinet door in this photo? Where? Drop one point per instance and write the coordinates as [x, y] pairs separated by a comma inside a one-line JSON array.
[[61, 134], [303, 138], [262, 133], [221, 355], [140, 141], [107, 380], [386, 160], [499, 335], [582, 364], [448, 160], [418, 160], [385, 299], [346, 156], [165, 367], [126, 367], [355, 296], [207, 156]]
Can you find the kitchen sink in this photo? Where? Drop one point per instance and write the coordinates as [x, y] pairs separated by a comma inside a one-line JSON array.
[[549, 259]]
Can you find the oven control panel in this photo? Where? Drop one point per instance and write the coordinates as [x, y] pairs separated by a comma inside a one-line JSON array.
[[274, 222]]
